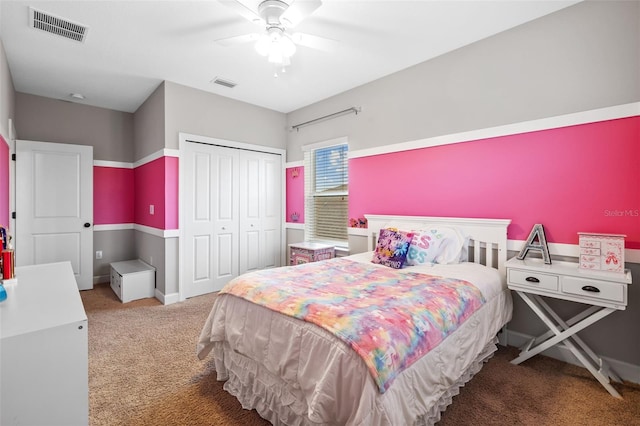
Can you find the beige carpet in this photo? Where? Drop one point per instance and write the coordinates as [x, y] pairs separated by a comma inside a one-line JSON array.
[[143, 371]]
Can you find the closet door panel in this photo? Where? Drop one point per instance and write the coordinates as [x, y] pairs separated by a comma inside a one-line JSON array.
[[211, 218], [225, 258], [252, 187], [272, 214], [201, 259], [232, 208], [225, 193], [272, 248], [226, 221], [252, 259], [251, 200], [273, 189], [260, 210]]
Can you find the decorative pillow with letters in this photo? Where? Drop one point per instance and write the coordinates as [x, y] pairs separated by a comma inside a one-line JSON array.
[[435, 245], [392, 248]]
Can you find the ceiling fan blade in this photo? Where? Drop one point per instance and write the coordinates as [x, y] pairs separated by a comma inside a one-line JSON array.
[[244, 11], [297, 11], [237, 40], [315, 42]]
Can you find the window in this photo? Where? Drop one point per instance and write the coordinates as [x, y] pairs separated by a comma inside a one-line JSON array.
[[326, 194]]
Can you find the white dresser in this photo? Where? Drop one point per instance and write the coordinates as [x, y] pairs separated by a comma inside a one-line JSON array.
[[44, 349]]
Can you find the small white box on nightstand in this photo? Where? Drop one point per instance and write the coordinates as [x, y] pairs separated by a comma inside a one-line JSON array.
[[132, 280], [601, 252]]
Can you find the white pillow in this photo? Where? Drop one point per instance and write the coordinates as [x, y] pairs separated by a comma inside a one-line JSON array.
[[436, 244]]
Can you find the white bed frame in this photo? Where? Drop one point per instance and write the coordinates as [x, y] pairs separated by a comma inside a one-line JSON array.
[[488, 237], [489, 240]]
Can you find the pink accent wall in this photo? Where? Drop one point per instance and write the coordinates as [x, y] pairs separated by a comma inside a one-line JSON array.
[[149, 183], [570, 179], [124, 195], [4, 183], [113, 195], [295, 194], [171, 186]]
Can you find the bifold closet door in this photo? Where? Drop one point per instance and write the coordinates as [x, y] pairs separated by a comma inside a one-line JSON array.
[[260, 210], [211, 217]]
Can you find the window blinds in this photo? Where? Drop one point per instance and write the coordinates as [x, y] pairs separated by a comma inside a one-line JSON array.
[[326, 193]]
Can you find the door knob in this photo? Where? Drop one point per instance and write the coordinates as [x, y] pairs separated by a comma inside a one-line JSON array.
[[87, 225]]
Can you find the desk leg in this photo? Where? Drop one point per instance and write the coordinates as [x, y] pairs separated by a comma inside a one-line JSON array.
[[597, 361], [573, 320], [583, 320]]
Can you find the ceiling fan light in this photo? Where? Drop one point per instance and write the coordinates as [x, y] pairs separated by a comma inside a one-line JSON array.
[[277, 46], [275, 56], [263, 45], [287, 46]]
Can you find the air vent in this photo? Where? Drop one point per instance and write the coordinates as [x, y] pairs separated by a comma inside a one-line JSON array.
[[56, 25], [222, 82]]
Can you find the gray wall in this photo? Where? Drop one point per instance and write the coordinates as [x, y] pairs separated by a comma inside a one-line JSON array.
[[7, 94], [149, 125], [111, 135], [188, 110], [126, 137], [583, 57], [116, 246], [154, 250], [52, 120], [206, 114], [580, 58]]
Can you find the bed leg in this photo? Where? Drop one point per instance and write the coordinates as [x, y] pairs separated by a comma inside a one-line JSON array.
[[503, 336]]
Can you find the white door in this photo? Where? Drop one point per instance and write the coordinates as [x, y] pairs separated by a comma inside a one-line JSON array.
[[211, 217], [54, 206], [260, 210]]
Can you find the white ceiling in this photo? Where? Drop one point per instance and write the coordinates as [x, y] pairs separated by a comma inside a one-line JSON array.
[[132, 46]]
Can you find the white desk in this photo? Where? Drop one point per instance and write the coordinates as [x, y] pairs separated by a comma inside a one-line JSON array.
[[605, 292], [44, 349]]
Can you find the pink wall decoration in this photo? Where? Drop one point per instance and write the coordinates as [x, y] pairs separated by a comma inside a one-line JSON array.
[[4, 183], [577, 178], [113, 195], [295, 194]]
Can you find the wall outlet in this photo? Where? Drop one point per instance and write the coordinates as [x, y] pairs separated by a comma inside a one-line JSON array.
[[151, 209], [99, 254]]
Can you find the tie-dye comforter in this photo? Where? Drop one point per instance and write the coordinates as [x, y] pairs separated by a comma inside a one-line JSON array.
[[390, 319]]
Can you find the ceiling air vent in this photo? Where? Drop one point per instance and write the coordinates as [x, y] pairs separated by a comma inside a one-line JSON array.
[[56, 25], [222, 82]]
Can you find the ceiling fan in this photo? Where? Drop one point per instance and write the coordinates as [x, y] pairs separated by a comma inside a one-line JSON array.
[[278, 18]]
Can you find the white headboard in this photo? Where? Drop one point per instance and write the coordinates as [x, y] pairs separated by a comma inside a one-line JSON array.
[[487, 236]]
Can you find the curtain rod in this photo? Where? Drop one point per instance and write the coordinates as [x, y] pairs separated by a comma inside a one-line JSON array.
[[355, 110]]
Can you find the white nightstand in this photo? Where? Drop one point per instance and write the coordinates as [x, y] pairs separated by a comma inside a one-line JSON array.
[[605, 292]]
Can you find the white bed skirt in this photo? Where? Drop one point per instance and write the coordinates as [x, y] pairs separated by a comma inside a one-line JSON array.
[[257, 389], [320, 386]]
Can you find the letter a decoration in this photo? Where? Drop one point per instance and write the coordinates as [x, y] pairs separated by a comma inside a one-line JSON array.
[[541, 245]]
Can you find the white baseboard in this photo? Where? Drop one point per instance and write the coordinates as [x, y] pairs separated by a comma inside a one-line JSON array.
[[99, 279], [167, 299], [625, 370]]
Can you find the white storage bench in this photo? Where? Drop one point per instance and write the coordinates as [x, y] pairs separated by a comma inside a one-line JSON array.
[[132, 280]]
